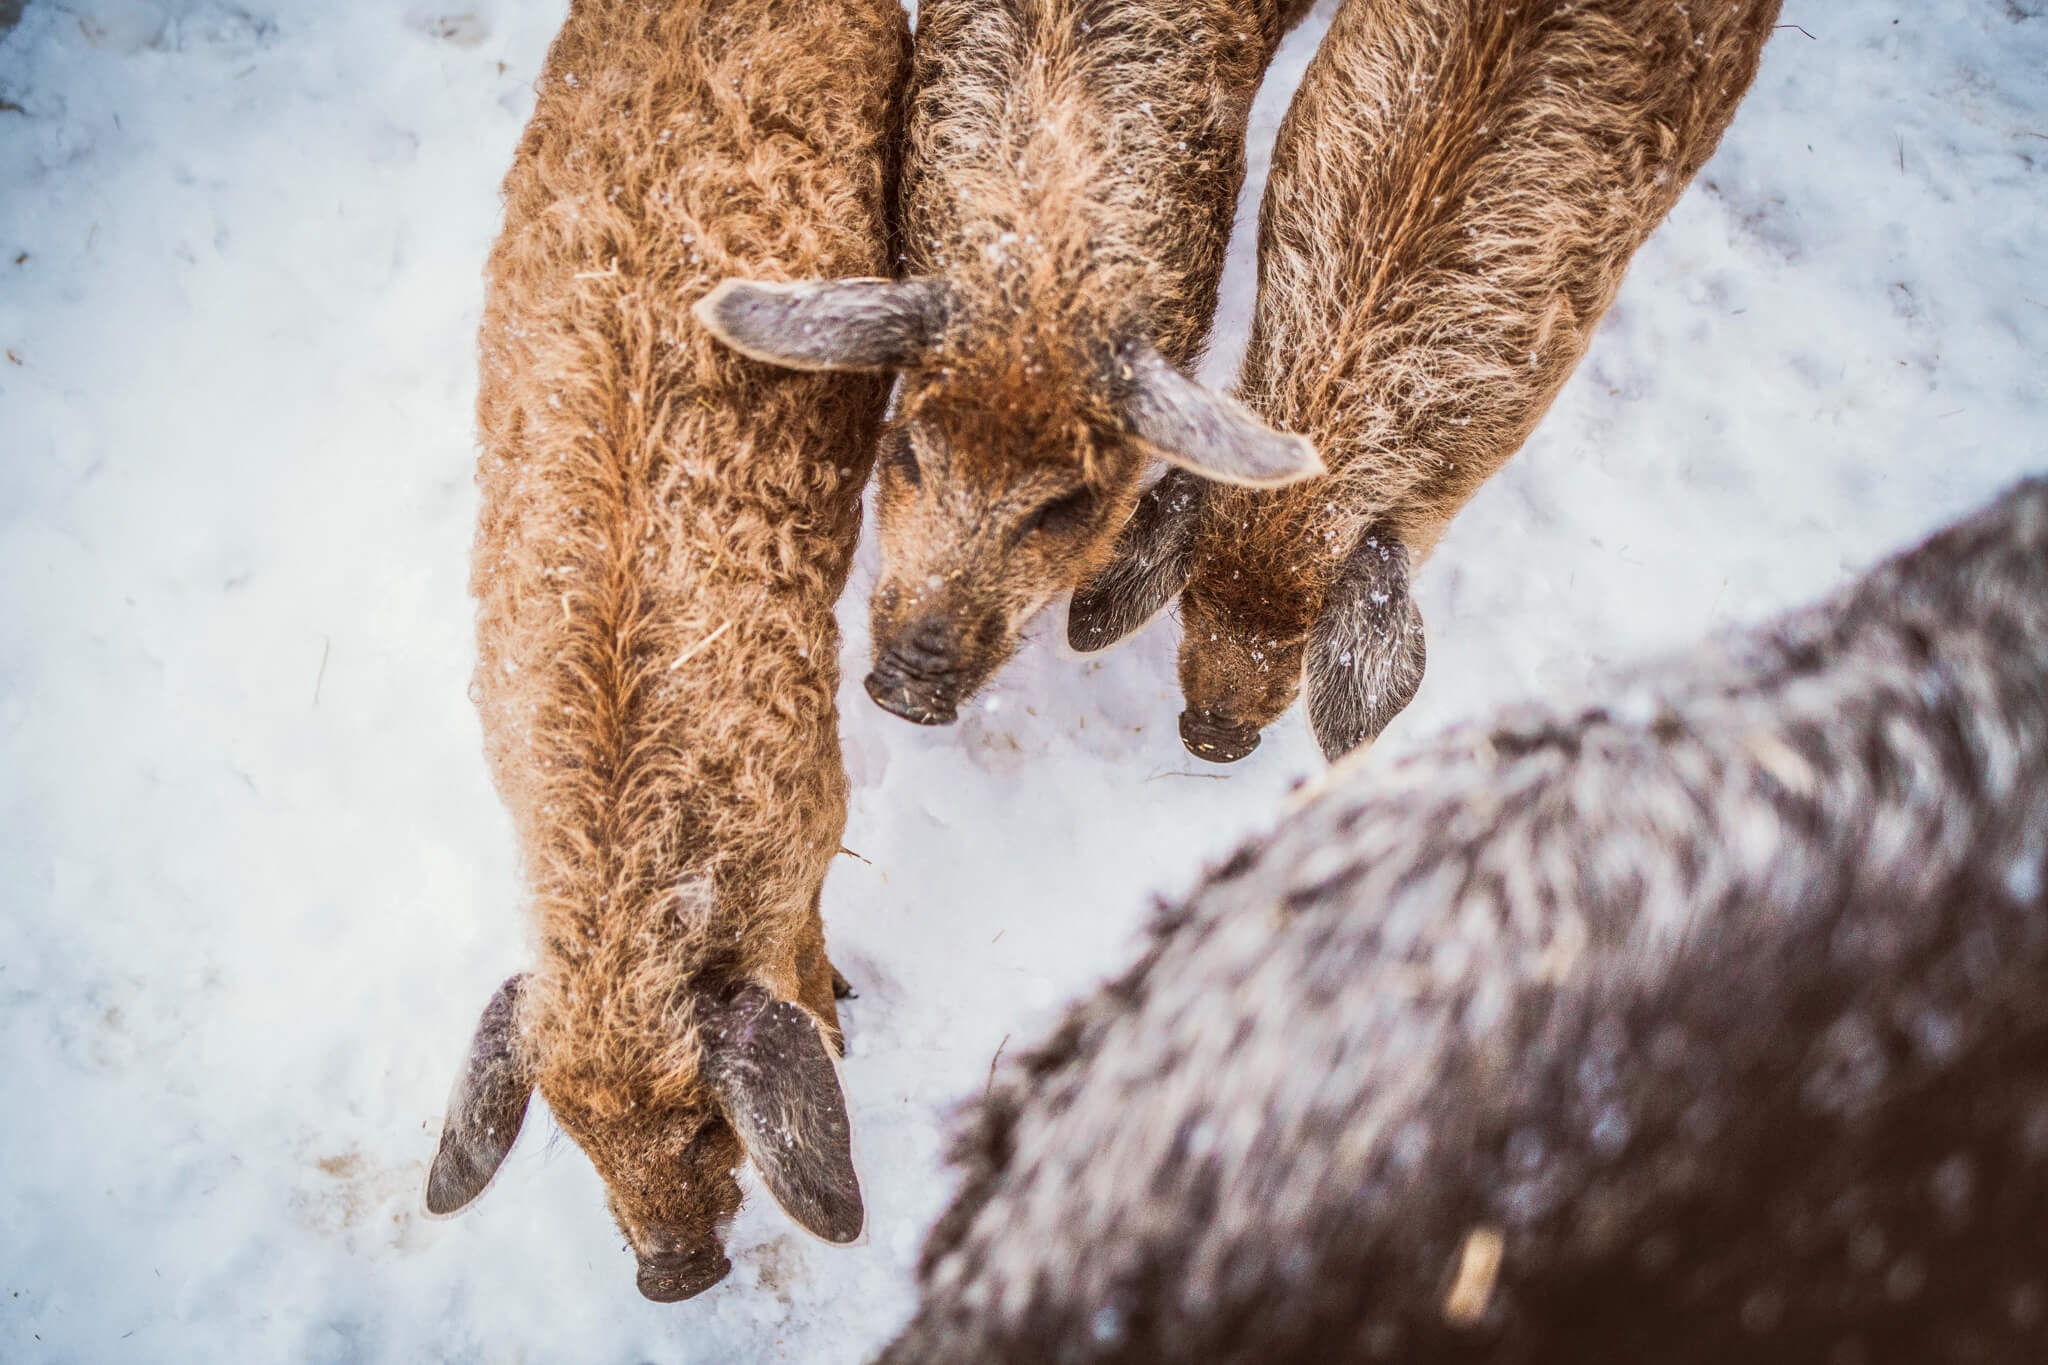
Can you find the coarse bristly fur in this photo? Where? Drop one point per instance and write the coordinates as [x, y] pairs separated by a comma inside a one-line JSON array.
[[1455, 195], [1071, 169], [1708, 1024], [665, 527]]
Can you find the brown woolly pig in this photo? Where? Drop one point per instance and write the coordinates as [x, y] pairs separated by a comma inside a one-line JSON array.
[[1070, 175], [1455, 195], [665, 526], [1710, 1025]]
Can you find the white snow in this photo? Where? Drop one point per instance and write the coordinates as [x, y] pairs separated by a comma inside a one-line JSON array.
[[256, 887]]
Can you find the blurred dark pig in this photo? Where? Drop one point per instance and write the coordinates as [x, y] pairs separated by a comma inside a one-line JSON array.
[[1706, 1025]]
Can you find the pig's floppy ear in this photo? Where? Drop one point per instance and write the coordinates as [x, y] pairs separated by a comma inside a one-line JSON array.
[[771, 1068], [856, 324], [1201, 430], [1151, 565], [1365, 652], [486, 1109]]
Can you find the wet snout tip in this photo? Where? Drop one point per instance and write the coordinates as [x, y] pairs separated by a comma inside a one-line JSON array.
[[901, 698], [671, 1279], [1217, 740]]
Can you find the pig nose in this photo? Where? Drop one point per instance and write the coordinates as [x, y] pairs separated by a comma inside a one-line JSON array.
[[925, 646], [919, 703], [917, 675], [682, 1275], [1215, 737]]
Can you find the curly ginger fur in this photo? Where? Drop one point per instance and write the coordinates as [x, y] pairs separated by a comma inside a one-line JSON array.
[[1071, 171], [1456, 193], [665, 525]]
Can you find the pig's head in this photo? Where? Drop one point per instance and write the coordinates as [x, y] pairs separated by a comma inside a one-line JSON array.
[[1259, 626], [1014, 459], [762, 1088]]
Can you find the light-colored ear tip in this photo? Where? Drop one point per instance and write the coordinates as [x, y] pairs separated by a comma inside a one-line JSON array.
[[711, 310], [1310, 459], [1294, 458], [732, 313], [705, 310]]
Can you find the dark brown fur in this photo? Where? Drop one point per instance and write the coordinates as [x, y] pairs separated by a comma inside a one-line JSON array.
[[665, 526], [1720, 1012], [1455, 195], [1070, 175]]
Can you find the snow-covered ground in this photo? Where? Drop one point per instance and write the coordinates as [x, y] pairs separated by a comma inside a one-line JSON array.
[[254, 886]]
